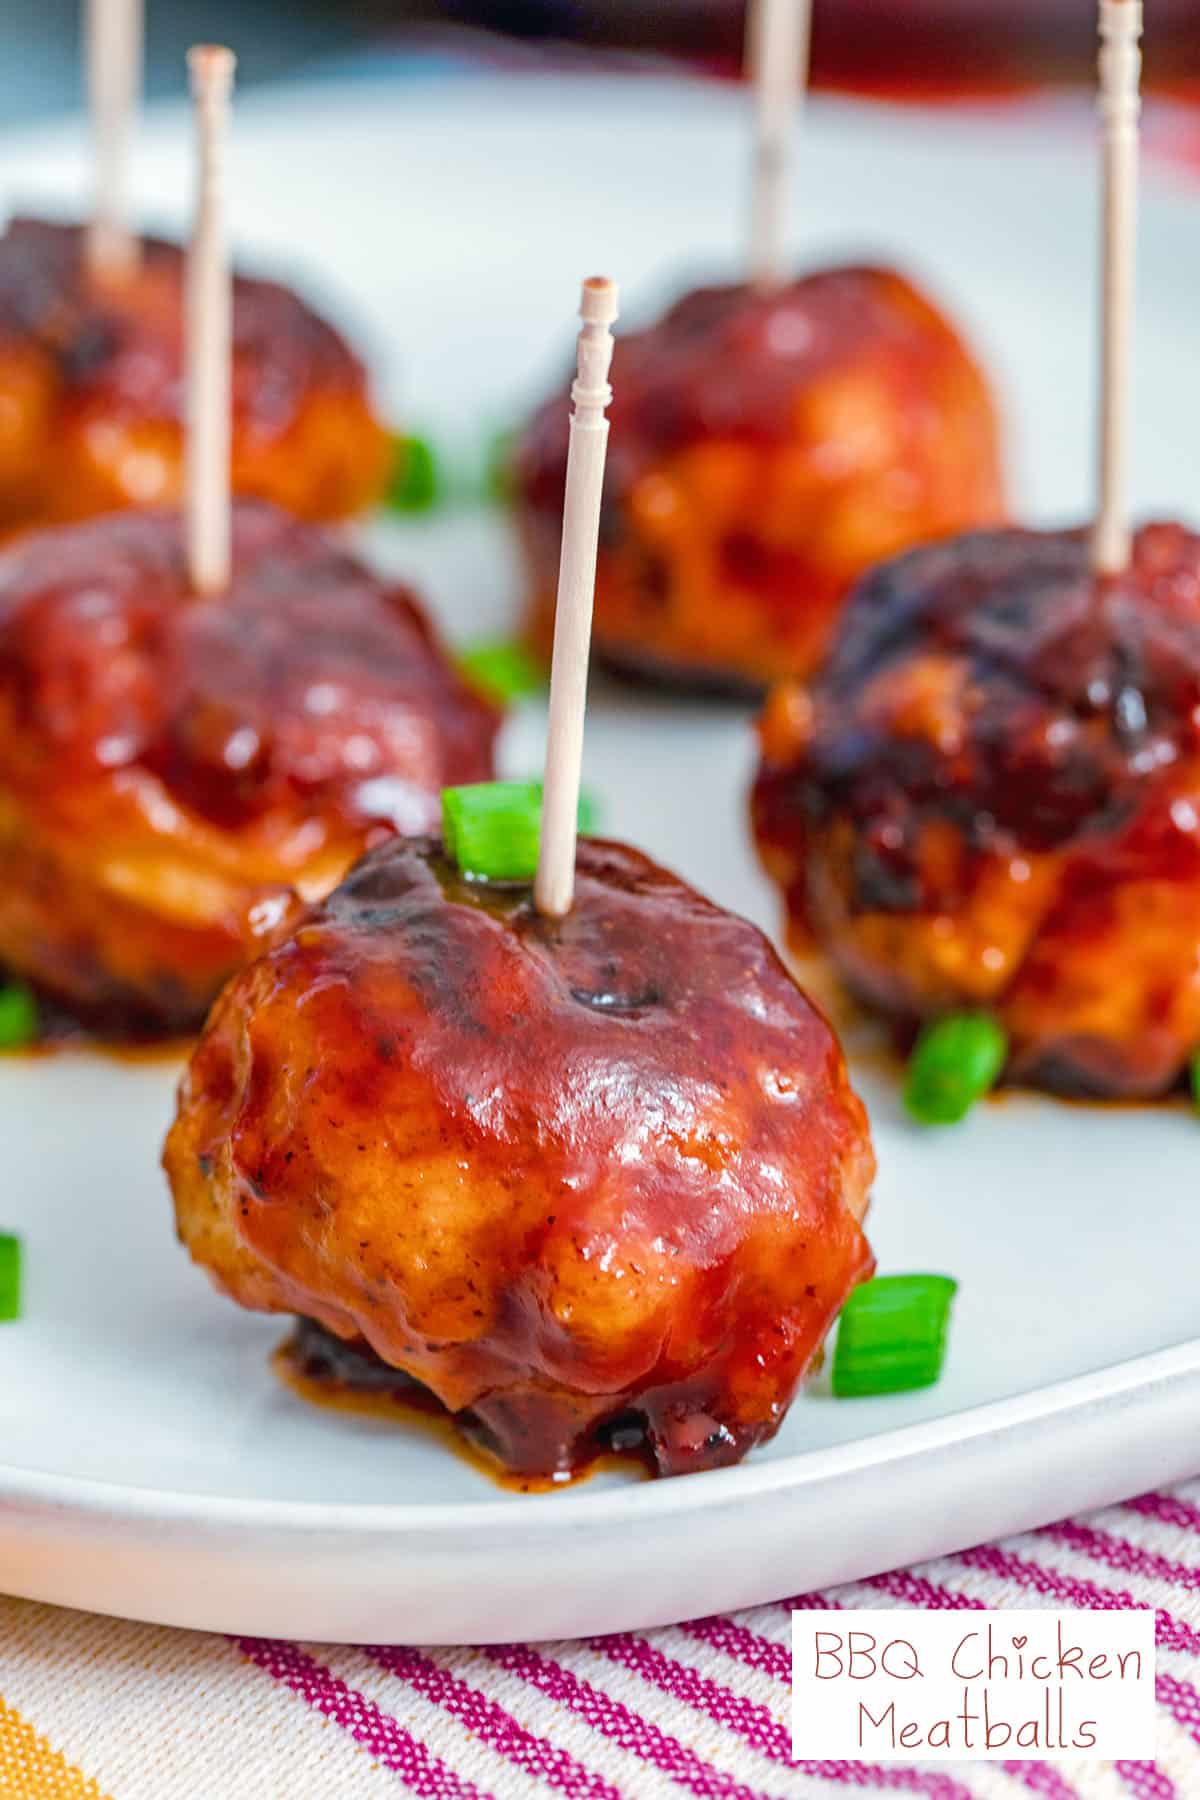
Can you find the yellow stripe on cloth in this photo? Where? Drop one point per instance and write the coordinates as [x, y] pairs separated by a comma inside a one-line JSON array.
[[31, 1770]]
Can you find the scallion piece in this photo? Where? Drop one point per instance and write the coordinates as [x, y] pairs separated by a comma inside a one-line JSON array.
[[415, 484], [493, 829], [10, 1277], [1194, 1077], [954, 1063], [18, 1016], [503, 669], [892, 1335]]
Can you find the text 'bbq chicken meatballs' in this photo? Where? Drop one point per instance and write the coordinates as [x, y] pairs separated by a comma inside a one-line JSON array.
[[175, 769], [577, 1178], [766, 449], [991, 799], [91, 389]]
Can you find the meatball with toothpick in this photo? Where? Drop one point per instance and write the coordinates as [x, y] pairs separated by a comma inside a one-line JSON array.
[[588, 1181], [177, 769], [92, 390]]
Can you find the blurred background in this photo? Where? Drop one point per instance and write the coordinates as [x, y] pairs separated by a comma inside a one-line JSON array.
[[919, 48]]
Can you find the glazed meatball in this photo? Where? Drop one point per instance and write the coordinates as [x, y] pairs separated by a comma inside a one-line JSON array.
[[91, 389], [765, 450], [173, 769], [570, 1176], [991, 798]]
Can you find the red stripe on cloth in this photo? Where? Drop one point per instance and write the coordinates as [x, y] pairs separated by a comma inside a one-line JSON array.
[[1172, 1633], [1146, 1780], [640, 1737], [488, 1721], [756, 1725], [1182, 1701], [917, 1591], [384, 1737], [759, 1727], [1122, 1554], [744, 1645], [1169, 1509]]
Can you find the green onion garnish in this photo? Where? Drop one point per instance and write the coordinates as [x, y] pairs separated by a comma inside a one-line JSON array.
[[493, 829], [503, 669], [415, 484], [18, 1016], [10, 1277], [954, 1063], [1194, 1076], [892, 1335]]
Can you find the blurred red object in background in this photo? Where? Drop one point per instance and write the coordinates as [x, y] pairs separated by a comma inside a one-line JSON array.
[[913, 46]]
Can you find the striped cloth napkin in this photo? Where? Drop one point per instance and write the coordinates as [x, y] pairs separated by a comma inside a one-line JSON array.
[[94, 1709]]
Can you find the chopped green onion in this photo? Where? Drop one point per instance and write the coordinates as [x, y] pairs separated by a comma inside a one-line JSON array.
[[493, 829], [10, 1277], [18, 1016], [1194, 1074], [415, 484], [892, 1335], [497, 468], [503, 669], [954, 1063]]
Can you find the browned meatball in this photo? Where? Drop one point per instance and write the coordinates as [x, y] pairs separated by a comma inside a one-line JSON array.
[[91, 389], [766, 448], [603, 1173], [173, 769], [991, 798]]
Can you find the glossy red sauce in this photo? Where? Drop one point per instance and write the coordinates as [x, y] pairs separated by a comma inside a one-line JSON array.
[[726, 362], [577, 1178], [991, 796], [1082, 694], [326, 1371], [308, 682]]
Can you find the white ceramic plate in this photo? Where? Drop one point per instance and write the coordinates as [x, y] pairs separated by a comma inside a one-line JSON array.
[[151, 1463]]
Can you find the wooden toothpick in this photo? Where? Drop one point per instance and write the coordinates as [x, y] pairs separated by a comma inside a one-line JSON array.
[[1120, 109], [554, 885], [778, 33], [209, 309], [114, 75]]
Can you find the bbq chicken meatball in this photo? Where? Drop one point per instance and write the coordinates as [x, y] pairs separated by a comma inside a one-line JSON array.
[[600, 1175], [766, 449], [991, 798], [91, 389], [173, 768]]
